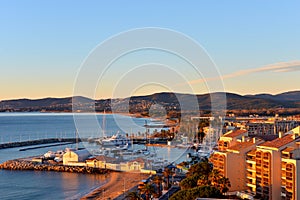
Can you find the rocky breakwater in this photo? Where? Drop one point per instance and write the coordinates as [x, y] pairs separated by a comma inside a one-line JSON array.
[[29, 165]]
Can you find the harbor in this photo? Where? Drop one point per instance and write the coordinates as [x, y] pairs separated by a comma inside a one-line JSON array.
[[113, 155]]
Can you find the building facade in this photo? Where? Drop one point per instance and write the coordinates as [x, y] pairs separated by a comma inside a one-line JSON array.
[[267, 170]]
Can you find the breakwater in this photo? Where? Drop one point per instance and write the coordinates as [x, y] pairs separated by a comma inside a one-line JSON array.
[[19, 164], [39, 142], [74, 140]]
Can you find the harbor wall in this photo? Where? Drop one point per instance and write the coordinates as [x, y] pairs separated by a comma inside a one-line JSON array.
[[30, 165]]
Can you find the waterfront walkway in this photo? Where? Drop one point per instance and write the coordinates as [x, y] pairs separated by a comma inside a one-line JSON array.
[[114, 187]]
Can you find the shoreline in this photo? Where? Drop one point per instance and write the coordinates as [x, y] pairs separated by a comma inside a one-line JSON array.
[[25, 164], [115, 185]]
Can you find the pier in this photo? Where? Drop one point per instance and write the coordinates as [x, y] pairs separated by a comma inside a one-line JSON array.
[[23, 164], [39, 142], [72, 141]]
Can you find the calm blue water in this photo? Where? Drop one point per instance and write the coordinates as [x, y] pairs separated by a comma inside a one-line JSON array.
[[50, 185], [28, 126]]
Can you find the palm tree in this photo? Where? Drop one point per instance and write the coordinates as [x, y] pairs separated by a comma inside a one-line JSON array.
[[167, 173], [147, 189], [202, 180], [133, 196], [201, 168], [214, 177], [223, 184], [158, 180]]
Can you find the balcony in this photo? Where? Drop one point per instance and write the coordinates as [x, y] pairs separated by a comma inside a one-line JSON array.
[[266, 168], [266, 159], [250, 158], [251, 167], [286, 155], [258, 154], [250, 161], [251, 185], [289, 188]]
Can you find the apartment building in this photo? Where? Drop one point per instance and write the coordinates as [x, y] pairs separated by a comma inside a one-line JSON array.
[[273, 167], [290, 173], [231, 155], [270, 126]]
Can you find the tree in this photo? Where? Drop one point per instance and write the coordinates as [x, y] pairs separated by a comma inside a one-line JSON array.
[[158, 181], [214, 177], [197, 192], [133, 196], [200, 133], [223, 184], [167, 173], [202, 175], [147, 189], [189, 182], [201, 168]]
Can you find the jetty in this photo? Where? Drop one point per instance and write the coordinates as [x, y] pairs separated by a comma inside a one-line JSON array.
[[40, 142], [23, 164], [73, 140]]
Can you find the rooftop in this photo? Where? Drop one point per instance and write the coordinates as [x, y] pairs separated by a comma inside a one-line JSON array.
[[288, 149], [241, 145], [140, 160], [105, 158], [234, 133], [279, 142]]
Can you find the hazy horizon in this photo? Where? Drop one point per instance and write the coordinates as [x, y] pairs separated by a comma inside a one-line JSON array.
[[146, 95]]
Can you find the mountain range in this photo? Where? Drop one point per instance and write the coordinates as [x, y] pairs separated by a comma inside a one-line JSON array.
[[170, 101]]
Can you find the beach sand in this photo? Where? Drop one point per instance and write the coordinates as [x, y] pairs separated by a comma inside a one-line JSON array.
[[115, 186]]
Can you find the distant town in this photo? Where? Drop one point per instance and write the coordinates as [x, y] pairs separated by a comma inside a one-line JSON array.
[[287, 103]]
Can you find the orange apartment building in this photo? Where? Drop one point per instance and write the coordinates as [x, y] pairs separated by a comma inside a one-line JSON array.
[[231, 155], [268, 170]]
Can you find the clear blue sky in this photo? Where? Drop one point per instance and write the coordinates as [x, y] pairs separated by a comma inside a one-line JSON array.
[[43, 43]]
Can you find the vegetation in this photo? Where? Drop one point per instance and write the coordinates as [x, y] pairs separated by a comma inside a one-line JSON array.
[[157, 180], [197, 192], [167, 173], [148, 189], [202, 181], [200, 133], [133, 196]]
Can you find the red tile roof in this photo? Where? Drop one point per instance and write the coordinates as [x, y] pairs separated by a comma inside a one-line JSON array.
[[279, 142], [288, 149], [241, 145], [234, 133]]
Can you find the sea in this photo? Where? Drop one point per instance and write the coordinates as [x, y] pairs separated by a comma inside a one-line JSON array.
[[15, 127]]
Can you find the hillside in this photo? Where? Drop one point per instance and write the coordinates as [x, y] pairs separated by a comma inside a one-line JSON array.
[[170, 101]]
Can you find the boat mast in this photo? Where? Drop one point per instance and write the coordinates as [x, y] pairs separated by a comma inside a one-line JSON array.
[[76, 136], [103, 124]]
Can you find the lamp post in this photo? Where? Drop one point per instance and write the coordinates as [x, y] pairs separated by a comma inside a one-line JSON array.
[[103, 192], [124, 187]]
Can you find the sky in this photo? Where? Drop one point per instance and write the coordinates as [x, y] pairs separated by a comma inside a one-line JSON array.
[[255, 46]]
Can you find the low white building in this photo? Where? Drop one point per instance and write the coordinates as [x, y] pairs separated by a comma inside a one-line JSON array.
[[76, 157]]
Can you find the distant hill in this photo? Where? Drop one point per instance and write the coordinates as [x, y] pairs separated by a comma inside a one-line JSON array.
[[283, 97], [170, 101]]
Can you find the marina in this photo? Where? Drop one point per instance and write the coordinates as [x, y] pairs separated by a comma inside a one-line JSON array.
[[156, 154]]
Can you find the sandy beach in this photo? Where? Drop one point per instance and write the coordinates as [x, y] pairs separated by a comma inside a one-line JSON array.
[[115, 186]]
